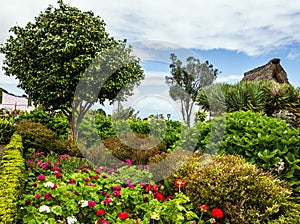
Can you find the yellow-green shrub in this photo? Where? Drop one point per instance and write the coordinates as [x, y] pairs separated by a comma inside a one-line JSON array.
[[244, 192], [12, 169]]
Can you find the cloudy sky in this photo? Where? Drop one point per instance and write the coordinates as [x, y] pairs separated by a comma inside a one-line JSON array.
[[234, 35]]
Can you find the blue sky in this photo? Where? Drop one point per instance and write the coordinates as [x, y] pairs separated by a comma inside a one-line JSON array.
[[235, 36]]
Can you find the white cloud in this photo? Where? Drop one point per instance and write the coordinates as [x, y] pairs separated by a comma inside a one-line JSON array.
[[229, 78], [253, 27]]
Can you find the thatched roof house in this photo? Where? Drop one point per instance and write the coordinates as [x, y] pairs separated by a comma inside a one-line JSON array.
[[270, 71]]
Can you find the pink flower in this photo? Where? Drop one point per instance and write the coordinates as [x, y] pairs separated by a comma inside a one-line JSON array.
[[30, 162], [58, 174], [91, 185], [91, 204], [128, 162], [72, 182], [37, 196], [143, 184], [41, 177], [97, 171], [95, 177], [131, 185], [54, 186], [48, 196], [117, 188], [107, 201], [55, 168], [86, 179], [116, 194], [128, 181]]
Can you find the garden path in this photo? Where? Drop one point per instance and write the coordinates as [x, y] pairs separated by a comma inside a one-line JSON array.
[[1, 151]]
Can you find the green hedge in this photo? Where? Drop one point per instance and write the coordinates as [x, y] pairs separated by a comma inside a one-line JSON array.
[[6, 130], [12, 169]]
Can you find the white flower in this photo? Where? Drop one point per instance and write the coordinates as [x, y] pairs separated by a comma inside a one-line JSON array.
[[49, 184], [71, 220], [44, 208], [45, 222], [83, 203]]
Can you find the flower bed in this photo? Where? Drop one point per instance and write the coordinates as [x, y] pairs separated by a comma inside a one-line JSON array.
[[64, 189]]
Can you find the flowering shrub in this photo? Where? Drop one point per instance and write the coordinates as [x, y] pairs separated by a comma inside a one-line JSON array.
[[244, 192], [67, 190]]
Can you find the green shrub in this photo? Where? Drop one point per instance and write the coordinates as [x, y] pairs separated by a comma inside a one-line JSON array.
[[136, 147], [12, 169], [37, 136], [244, 192], [268, 142], [57, 123], [6, 130]]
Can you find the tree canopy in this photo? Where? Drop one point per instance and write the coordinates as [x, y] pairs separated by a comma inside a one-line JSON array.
[[187, 80], [50, 55]]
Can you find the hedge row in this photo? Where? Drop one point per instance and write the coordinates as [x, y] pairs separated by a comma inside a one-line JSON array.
[[12, 169]]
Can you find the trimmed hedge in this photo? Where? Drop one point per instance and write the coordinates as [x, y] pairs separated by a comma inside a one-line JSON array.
[[12, 169], [6, 130]]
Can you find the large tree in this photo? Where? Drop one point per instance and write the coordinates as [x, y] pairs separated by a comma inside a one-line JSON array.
[[50, 55], [187, 80]]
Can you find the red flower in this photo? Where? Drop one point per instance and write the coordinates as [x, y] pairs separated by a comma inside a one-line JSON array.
[[91, 204], [58, 174], [204, 207], [100, 212], [180, 183], [86, 179], [216, 212], [123, 215], [128, 162], [37, 196], [41, 177], [48, 196], [159, 196], [72, 182]]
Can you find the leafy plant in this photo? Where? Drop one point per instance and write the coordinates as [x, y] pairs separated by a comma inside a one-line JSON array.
[[6, 130], [244, 192]]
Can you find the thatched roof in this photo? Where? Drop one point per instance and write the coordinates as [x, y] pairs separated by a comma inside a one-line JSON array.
[[270, 71]]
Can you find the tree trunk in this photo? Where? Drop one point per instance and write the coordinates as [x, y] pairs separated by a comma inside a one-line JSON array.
[[71, 133]]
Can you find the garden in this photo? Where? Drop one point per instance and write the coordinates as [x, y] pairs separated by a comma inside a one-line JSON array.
[[67, 163], [252, 177]]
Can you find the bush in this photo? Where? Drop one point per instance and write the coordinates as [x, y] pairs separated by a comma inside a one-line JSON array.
[[6, 130], [12, 179], [136, 147], [57, 123], [37, 136], [244, 192], [268, 142]]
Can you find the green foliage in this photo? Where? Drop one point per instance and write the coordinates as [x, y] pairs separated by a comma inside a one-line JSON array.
[[257, 96], [136, 147], [244, 192], [37, 136], [187, 80], [57, 123], [6, 130], [268, 142], [104, 126], [12, 169]]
